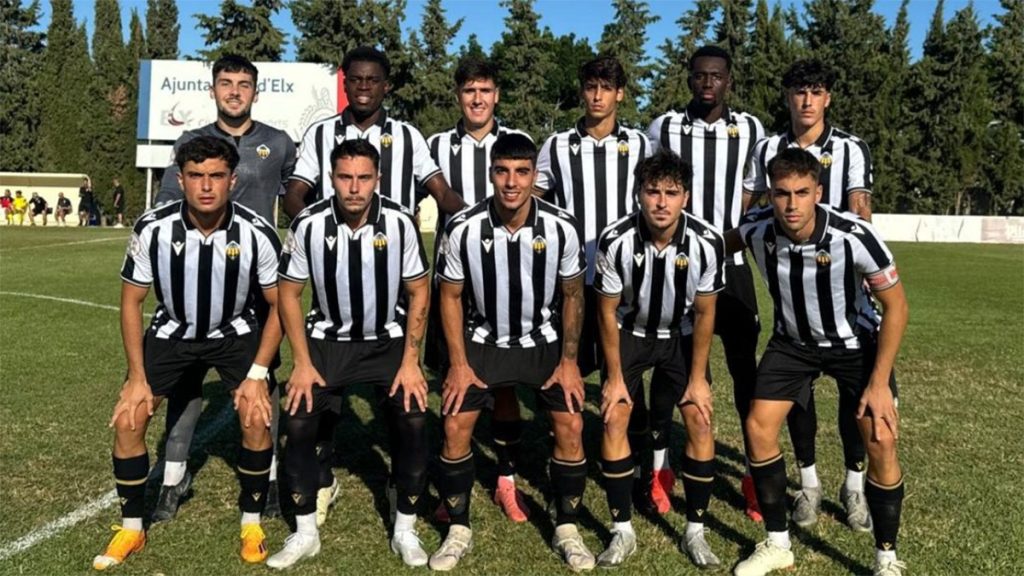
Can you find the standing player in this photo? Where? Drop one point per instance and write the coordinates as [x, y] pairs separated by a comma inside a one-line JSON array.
[[716, 141], [816, 261], [37, 207], [655, 268], [206, 255], [588, 170], [846, 178], [119, 201], [63, 209], [363, 255], [266, 159], [463, 154], [507, 260], [404, 158]]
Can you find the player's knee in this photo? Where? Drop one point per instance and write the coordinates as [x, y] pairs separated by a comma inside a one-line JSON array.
[[457, 435], [568, 430], [698, 430], [617, 425]]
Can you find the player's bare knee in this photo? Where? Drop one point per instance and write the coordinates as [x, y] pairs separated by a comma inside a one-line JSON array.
[[568, 430], [457, 434]]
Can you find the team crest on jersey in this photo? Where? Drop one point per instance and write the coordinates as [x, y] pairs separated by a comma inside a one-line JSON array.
[[826, 160], [263, 151], [456, 148], [623, 148], [380, 241], [232, 250], [386, 140], [823, 258], [539, 245], [682, 262], [733, 131], [575, 148]]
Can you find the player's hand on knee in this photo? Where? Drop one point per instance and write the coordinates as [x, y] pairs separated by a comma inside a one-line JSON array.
[[567, 375], [698, 393], [300, 388], [252, 396], [456, 384], [414, 386], [613, 393], [877, 401], [134, 392]]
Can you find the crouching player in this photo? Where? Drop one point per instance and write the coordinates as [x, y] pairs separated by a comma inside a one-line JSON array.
[[206, 256], [654, 267]]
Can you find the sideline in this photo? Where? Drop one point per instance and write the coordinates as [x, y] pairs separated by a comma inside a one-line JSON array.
[[54, 245], [64, 300]]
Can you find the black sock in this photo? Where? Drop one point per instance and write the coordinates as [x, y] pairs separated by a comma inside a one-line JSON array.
[[130, 477], [325, 448], [698, 477], [301, 467], [506, 444], [253, 477], [618, 485], [849, 433], [803, 427], [770, 485], [409, 460], [886, 505], [456, 486], [568, 479], [639, 435]]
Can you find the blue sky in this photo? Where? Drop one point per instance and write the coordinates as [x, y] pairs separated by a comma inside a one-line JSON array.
[[585, 18]]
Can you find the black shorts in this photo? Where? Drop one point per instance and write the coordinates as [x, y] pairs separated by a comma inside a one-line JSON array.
[[38, 212], [435, 353], [788, 369], [507, 367], [590, 356], [670, 357], [172, 364], [343, 364], [736, 306]]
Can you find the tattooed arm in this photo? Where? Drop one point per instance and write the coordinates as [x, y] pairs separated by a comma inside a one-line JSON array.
[[410, 377], [567, 373]]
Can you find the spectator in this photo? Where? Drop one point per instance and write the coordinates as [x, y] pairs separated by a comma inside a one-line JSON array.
[[20, 207], [7, 204], [39, 207], [119, 203], [86, 202], [63, 209]]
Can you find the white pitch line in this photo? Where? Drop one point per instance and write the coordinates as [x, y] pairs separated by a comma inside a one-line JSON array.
[[94, 507], [58, 244], [59, 299]]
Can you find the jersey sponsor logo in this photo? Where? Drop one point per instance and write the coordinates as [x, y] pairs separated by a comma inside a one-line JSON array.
[[575, 148], [380, 241], [456, 148], [178, 247], [707, 233], [386, 140], [856, 229], [339, 138], [687, 128], [623, 148], [487, 242], [613, 233], [539, 245], [232, 250], [639, 259], [331, 240], [263, 151], [826, 160], [682, 261], [823, 258]]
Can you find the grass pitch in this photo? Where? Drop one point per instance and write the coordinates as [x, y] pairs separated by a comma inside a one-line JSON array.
[[960, 373]]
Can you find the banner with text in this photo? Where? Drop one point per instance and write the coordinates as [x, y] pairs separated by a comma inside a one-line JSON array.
[[174, 96]]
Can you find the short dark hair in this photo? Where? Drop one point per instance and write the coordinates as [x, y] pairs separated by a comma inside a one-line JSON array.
[[202, 148], [235, 63], [808, 72], [512, 146], [711, 51], [603, 68], [355, 148], [474, 68], [663, 165], [366, 54], [794, 161]]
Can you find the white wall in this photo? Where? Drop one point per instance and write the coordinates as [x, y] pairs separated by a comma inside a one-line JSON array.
[[965, 229]]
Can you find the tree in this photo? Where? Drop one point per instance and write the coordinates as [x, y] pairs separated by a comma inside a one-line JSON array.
[[758, 88], [563, 90], [624, 38], [669, 88], [20, 58], [243, 30], [430, 92], [891, 153], [64, 92], [731, 33], [526, 68], [327, 29], [472, 48], [162, 29], [1006, 59]]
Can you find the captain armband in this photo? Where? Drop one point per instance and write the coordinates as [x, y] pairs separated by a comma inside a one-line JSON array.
[[884, 279]]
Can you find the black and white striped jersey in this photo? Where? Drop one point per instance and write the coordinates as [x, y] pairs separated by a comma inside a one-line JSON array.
[[818, 286], [718, 153], [466, 161], [845, 164], [404, 158], [511, 280], [657, 287], [357, 275], [204, 285], [592, 179]]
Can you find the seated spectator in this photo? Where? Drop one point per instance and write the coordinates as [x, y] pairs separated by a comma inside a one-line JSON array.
[[63, 209]]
